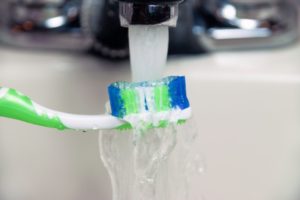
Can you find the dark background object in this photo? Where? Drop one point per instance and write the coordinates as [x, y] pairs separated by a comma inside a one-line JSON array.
[[100, 20], [182, 38]]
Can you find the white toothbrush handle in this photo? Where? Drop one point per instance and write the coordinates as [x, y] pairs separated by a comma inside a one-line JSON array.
[[15, 105], [86, 122]]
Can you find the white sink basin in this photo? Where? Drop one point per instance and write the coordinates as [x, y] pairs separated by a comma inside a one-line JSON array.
[[246, 105]]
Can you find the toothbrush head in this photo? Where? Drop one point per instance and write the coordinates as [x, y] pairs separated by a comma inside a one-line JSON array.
[[155, 103]]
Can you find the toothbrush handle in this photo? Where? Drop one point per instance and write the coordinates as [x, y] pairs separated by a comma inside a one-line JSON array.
[[15, 105]]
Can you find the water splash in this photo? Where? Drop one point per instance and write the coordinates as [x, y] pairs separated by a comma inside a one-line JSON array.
[[185, 163], [134, 163], [150, 166]]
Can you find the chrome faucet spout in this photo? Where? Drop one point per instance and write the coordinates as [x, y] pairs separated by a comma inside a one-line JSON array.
[[145, 12]]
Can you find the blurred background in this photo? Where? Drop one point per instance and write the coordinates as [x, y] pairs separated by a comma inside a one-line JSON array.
[[241, 60]]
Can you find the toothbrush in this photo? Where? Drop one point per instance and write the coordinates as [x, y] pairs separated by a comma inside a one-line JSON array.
[[155, 103]]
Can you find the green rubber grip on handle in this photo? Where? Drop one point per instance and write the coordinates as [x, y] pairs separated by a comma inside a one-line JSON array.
[[16, 105]]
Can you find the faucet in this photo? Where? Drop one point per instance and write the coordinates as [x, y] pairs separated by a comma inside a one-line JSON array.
[[100, 25], [240, 24], [148, 12]]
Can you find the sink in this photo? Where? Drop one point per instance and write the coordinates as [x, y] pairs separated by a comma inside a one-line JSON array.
[[246, 106]]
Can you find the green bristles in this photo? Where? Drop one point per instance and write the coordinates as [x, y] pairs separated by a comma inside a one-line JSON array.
[[161, 98], [129, 98], [162, 124]]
